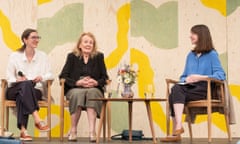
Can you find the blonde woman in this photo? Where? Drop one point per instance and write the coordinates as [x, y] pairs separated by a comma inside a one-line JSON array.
[[85, 75]]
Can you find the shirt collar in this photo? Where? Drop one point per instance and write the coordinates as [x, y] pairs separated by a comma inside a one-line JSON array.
[[24, 58]]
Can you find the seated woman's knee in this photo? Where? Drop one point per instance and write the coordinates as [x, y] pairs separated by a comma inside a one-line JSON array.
[[94, 92]]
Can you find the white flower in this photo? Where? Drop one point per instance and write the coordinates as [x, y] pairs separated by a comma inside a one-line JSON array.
[[127, 80]]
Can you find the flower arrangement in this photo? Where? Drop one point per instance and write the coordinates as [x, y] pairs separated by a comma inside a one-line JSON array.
[[126, 75]]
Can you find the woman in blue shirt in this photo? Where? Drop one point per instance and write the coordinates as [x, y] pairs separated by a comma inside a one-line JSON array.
[[202, 62]]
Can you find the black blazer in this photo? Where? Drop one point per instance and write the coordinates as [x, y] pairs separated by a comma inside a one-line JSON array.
[[75, 68]]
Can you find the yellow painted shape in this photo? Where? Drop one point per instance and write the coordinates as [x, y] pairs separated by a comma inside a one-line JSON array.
[[123, 16], [43, 1], [219, 5], [235, 91], [217, 119], [145, 77], [9, 37], [55, 127]]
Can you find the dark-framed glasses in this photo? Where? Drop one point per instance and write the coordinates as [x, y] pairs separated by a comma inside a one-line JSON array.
[[35, 37]]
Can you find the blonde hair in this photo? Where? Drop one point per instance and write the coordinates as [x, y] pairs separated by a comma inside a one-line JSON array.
[[77, 50]]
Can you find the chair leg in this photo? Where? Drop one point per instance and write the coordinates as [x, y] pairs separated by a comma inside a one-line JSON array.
[[61, 122], [109, 120], [103, 114], [7, 118], [49, 122], [227, 126], [190, 130], [168, 119], [3, 118], [104, 128], [189, 122], [209, 123]]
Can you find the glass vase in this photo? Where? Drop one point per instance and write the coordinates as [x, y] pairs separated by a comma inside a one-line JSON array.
[[127, 91]]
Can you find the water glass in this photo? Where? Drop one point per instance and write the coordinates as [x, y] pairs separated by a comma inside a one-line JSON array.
[[149, 91]]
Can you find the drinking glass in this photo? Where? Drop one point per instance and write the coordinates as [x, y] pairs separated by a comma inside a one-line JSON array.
[[149, 91]]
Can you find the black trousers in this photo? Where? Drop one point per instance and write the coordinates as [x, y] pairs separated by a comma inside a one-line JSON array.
[[185, 93], [26, 97]]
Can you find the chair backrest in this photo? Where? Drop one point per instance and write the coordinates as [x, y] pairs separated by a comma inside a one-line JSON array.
[[4, 89], [215, 100], [46, 90], [218, 93]]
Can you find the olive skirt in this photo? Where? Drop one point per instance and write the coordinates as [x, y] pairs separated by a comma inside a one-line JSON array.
[[80, 97]]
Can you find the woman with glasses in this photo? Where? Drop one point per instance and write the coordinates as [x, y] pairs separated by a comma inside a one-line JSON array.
[[27, 71]]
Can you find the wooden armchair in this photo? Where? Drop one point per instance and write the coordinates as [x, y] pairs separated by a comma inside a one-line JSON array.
[[215, 100], [9, 103], [65, 103]]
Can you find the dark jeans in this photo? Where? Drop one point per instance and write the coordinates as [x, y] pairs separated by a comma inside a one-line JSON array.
[[26, 97], [188, 92]]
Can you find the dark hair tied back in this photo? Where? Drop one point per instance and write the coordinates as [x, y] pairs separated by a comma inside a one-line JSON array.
[[25, 35]]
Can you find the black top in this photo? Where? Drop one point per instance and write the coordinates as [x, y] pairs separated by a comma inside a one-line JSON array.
[[75, 68]]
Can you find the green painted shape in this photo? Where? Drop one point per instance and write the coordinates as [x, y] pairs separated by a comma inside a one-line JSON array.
[[159, 25], [232, 5], [224, 61], [119, 115], [65, 26]]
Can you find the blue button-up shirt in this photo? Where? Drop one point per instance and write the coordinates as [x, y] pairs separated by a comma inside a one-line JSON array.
[[207, 64]]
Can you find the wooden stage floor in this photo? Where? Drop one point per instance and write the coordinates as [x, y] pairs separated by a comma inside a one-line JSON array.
[[184, 141]]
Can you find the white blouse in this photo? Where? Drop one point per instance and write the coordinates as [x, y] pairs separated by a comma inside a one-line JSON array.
[[39, 66]]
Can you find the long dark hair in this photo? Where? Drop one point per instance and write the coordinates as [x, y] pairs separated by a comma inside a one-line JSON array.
[[25, 35], [204, 43]]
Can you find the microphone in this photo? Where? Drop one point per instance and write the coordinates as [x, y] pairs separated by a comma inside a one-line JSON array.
[[21, 74]]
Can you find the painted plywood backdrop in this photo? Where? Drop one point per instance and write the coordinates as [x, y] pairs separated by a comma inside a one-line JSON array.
[[151, 34]]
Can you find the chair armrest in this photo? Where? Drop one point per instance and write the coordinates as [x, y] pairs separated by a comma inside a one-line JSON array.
[[209, 89], [4, 83], [108, 81], [62, 81], [49, 90], [214, 80], [171, 81], [49, 82], [168, 81]]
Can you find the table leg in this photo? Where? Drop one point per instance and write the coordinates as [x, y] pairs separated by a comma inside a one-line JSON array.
[[103, 111], [150, 120], [104, 127], [109, 120], [130, 120]]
